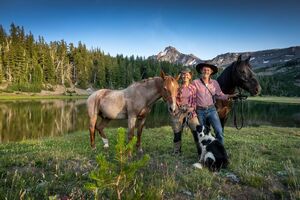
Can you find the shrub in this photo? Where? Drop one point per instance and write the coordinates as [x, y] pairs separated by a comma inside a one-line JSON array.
[[119, 176], [25, 87]]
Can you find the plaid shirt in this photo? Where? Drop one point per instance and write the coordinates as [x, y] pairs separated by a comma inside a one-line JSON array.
[[203, 96], [190, 100]]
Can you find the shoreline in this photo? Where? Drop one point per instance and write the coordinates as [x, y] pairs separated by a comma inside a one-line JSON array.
[[276, 99], [38, 96], [28, 96]]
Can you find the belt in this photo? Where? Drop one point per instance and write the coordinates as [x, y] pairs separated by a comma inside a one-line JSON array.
[[204, 107]]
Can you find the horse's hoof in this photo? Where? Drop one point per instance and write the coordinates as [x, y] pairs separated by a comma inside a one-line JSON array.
[[106, 146], [94, 148]]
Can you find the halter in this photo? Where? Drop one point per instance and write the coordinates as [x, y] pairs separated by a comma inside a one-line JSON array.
[[166, 98]]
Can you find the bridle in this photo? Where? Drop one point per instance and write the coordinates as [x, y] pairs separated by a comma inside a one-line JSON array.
[[166, 97], [239, 98]]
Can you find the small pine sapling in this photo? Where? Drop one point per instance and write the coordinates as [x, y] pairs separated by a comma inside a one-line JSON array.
[[118, 176]]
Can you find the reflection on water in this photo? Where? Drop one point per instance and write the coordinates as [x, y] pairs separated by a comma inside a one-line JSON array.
[[35, 119], [261, 113], [40, 118], [22, 119]]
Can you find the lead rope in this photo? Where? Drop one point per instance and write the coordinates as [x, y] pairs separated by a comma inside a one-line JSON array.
[[241, 98]]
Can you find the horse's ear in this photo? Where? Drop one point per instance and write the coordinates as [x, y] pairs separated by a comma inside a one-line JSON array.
[[248, 59], [162, 74], [239, 59], [177, 77]]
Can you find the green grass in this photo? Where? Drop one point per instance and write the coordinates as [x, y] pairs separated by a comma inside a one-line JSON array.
[[265, 159], [275, 99]]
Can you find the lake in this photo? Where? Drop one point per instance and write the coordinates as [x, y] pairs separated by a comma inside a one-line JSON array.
[[31, 119]]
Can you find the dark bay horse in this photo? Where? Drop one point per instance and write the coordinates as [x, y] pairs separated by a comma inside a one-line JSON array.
[[133, 103], [238, 74]]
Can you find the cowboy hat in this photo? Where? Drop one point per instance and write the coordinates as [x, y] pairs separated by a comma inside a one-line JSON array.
[[212, 67]]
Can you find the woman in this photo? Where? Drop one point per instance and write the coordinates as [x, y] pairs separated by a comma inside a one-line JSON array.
[[185, 114], [207, 90]]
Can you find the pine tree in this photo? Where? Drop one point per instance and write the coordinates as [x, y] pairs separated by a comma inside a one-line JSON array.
[[3, 38], [101, 69], [82, 63], [1, 65], [24, 61], [3, 35]]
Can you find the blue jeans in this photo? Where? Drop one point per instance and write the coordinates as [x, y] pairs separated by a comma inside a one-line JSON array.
[[211, 115]]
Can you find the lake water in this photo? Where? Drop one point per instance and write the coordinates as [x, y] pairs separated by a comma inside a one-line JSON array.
[[31, 119]]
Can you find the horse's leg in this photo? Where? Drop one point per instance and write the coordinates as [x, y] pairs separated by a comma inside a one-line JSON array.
[[93, 120], [140, 126], [100, 126], [131, 125]]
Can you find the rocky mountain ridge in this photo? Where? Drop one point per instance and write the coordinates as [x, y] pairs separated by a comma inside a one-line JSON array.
[[258, 59], [172, 55]]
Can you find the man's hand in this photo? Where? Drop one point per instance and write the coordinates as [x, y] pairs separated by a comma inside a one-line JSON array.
[[190, 109]]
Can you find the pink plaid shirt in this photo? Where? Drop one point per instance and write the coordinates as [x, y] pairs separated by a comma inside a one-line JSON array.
[[187, 96], [203, 96]]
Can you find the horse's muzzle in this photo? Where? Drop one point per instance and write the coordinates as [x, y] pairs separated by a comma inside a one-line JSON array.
[[172, 109], [256, 91]]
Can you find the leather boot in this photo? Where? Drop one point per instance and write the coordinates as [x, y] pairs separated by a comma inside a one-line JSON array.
[[177, 148], [177, 143]]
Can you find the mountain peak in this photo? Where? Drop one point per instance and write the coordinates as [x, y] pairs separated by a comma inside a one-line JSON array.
[[172, 55], [170, 48]]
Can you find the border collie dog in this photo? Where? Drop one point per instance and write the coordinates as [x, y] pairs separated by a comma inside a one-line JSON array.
[[213, 154]]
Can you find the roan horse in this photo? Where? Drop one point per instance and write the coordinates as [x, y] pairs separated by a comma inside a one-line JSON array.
[[133, 103], [238, 74]]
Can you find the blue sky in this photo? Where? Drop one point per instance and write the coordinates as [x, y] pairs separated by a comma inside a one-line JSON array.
[[203, 28]]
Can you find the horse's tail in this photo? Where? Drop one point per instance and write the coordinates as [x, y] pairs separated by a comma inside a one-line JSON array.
[[93, 104]]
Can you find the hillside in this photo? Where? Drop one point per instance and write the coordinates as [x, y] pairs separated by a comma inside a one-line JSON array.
[[280, 79]]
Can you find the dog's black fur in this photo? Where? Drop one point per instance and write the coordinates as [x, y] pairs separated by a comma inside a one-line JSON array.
[[213, 154]]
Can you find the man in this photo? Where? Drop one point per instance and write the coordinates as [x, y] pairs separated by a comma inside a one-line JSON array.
[[185, 114], [207, 90]]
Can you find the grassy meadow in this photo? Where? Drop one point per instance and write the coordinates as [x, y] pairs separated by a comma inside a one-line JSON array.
[[275, 99], [264, 164]]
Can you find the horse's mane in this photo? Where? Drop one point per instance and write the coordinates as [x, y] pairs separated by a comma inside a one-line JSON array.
[[225, 78], [144, 81]]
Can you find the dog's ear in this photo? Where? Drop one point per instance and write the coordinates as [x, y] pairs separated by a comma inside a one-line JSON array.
[[198, 128], [206, 130]]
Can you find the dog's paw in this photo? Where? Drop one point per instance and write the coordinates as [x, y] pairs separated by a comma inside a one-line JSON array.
[[198, 165]]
